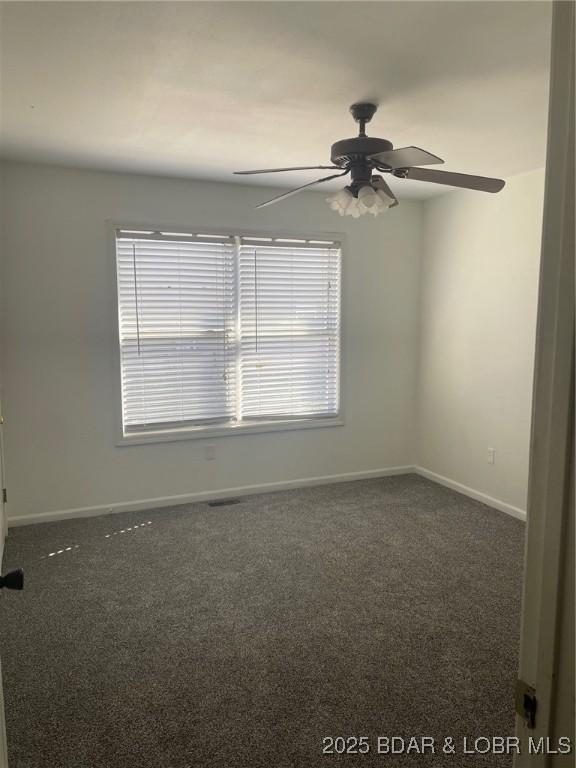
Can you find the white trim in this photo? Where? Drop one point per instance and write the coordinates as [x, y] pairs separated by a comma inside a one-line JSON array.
[[189, 498], [3, 739], [229, 430], [3, 514], [490, 501], [546, 649], [250, 490]]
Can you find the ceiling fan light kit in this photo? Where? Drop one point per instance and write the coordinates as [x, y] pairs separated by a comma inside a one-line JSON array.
[[368, 200], [361, 156]]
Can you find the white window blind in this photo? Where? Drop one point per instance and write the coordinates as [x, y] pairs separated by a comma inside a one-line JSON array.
[[289, 330], [219, 330], [177, 337]]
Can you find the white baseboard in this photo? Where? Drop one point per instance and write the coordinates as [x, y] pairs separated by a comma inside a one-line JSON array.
[[188, 498], [249, 490], [502, 506]]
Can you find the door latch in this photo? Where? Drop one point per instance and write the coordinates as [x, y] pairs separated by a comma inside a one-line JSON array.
[[526, 703]]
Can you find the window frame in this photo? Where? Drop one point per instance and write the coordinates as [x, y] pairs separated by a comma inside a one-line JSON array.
[[176, 434]]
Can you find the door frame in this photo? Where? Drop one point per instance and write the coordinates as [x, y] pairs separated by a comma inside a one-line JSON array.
[[551, 459], [3, 532]]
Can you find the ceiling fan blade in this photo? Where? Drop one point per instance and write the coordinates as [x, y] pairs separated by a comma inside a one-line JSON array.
[[464, 180], [405, 157], [298, 189], [279, 170], [379, 183]]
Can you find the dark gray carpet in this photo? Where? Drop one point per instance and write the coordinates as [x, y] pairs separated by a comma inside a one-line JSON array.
[[241, 636]]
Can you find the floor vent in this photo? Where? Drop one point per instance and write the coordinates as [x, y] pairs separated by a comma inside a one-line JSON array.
[[223, 502]]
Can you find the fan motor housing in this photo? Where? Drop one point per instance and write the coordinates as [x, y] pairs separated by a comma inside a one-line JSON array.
[[357, 150]]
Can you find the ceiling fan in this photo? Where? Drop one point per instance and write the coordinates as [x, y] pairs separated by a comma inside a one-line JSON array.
[[365, 158]]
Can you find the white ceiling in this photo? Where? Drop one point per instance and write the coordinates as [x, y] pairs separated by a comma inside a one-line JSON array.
[[199, 89]]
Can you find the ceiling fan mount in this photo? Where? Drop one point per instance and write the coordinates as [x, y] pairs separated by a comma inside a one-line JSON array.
[[363, 112], [363, 155]]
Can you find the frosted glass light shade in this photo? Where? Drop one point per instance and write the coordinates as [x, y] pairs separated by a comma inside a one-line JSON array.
[[369, 200], [385, 200], [341, 201]]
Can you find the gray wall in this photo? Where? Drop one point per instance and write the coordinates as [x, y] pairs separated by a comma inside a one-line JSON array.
[[479, 288], [439, 310], [60, 343]]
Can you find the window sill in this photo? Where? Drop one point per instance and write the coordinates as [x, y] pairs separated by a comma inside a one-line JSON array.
[[200, 433]]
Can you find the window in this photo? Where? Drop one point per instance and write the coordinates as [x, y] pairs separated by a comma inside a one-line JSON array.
[[222, 332]]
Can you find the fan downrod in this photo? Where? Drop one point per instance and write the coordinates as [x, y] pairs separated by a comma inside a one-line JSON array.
[[363, 112]]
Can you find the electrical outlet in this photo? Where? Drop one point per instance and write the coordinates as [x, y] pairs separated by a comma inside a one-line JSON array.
[[209, 452], [491, 455]]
